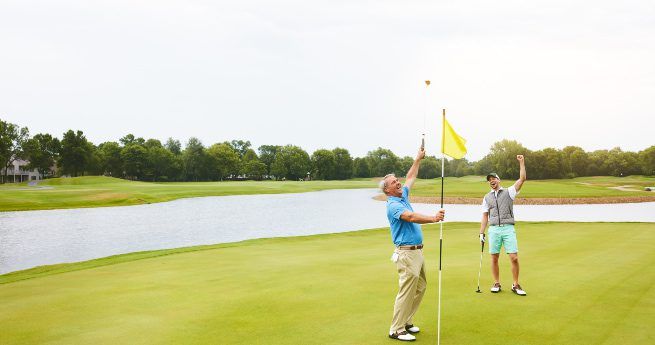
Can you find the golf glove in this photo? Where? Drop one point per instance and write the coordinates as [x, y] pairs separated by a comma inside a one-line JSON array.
[[482, 238]]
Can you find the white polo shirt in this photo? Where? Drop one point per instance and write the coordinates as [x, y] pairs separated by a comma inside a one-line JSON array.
[[512, 194]]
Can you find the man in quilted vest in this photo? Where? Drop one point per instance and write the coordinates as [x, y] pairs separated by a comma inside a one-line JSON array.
[[498, 213]]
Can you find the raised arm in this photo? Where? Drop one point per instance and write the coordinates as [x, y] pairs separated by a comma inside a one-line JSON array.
[[519, 183], [413, 171]]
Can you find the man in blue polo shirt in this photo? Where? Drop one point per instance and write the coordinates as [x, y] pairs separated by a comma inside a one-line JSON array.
[[408, 256]]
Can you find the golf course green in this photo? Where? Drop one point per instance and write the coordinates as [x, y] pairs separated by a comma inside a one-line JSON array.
[[96, 191], [587, 283]]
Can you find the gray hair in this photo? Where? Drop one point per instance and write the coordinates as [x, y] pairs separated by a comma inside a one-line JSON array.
[[383, 184]]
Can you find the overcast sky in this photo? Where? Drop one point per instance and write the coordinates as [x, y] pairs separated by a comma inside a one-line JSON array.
[[325, 74]]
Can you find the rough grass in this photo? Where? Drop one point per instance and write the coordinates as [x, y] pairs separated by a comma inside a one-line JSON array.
[[587, 283]]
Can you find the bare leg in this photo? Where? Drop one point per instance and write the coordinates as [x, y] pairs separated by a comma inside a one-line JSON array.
[[494, 267], [514, 258]]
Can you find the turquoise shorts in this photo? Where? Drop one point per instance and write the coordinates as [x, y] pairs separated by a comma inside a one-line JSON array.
[[502, 236]]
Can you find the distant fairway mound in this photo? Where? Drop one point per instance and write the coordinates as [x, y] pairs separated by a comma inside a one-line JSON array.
[[85, 180]]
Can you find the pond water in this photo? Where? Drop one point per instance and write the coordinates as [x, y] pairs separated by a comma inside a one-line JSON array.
[[35, 238]]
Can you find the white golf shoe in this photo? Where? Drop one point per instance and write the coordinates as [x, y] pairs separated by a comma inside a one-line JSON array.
[[518, 290], [495, 288], [412, 329], [402, 336]]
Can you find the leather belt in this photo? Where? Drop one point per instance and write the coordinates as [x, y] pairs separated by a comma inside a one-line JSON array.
[[418, 246]]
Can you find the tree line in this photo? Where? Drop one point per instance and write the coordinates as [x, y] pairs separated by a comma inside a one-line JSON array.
[[136, 158]]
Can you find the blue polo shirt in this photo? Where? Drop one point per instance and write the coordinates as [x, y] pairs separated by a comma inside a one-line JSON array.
[[402, 233]]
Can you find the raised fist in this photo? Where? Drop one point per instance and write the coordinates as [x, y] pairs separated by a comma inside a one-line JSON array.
[[519, 158]]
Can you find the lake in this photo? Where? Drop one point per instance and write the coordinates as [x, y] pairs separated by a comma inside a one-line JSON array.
[[35, 238]]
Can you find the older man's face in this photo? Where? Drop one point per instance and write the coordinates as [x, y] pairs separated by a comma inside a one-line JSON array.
[[393, 186]]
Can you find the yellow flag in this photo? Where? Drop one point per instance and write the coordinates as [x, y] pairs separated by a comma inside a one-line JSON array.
[[452, 144]]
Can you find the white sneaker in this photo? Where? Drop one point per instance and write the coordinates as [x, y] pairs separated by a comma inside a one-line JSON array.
[[495, 288], [412, 329], [518, 290], [403, 336]]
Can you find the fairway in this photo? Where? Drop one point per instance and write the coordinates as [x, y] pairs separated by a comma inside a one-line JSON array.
[[587, 283], [97, 191], [598, 187]]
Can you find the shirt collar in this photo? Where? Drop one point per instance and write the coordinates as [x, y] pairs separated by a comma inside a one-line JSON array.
[[394, 198]]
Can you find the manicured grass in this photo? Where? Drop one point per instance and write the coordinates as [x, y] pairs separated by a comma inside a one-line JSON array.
[[95, 191], [581, 187], [587, 283]]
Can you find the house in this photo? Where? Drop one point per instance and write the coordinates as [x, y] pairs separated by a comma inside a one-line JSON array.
[[18, 172]]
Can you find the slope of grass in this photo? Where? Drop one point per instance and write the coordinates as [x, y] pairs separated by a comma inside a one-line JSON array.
[[96, 191], [581, 187], [588, 283]]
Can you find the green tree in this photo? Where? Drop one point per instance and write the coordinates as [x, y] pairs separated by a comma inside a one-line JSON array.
[[130, 139], [76, 153], [254, 169], [161, 164], [249, 155], [502, 158], [430, 168], [647, 161], [225, 160], [267, 155], [174, 146], [111, 161], [404, 164], [135, 161], [383, 161], [323, 163], [42, 152], [197, 164], [361, 168], [343, 164], [291, 162], [12, 138], [240, 147]]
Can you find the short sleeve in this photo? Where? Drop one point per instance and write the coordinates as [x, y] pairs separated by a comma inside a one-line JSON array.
[[484, 207], [512, 192], [396, 209]]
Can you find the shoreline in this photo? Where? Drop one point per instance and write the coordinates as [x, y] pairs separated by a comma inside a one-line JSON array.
[[529, 201]]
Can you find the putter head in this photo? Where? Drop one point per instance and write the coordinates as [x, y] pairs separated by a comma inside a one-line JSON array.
[[479, 291]]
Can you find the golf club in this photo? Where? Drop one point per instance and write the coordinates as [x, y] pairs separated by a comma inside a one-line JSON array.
[[480, 269]]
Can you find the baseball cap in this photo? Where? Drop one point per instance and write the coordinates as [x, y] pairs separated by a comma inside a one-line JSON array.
[[493, 174]]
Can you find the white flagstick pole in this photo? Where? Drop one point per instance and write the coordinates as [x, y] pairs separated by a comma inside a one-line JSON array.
[[443, 139]]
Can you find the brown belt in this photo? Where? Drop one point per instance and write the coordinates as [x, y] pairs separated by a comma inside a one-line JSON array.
[[418, 246]]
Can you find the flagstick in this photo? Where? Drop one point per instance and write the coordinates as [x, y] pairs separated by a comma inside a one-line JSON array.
[[425, 107], [443, 142]]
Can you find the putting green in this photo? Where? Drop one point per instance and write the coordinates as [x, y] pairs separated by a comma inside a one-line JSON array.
[[587, 283]]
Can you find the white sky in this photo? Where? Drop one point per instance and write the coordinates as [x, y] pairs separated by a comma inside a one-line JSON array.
[[322, 74]]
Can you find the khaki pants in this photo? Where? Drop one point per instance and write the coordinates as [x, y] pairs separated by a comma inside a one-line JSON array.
[[412, 284]]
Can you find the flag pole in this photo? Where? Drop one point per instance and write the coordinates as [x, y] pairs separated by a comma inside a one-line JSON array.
[[443, 142]]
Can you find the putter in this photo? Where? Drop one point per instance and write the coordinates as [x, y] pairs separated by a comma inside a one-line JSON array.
[[480, 269]]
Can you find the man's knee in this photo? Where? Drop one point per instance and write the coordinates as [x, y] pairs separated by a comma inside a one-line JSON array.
[[514, 258], [494, 258]]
